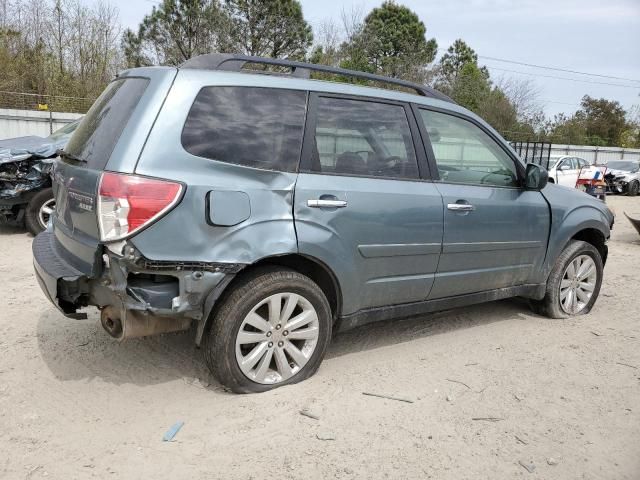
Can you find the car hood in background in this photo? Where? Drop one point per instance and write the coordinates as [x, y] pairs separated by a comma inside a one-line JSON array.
[[22, 151]]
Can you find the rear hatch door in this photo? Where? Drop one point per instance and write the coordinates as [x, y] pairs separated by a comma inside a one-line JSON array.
[[110, 137]]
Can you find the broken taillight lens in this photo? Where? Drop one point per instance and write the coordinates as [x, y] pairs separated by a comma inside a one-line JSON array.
[[127, 203]]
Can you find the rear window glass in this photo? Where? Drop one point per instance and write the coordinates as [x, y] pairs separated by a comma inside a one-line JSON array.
[[100, 129], [250, 126]]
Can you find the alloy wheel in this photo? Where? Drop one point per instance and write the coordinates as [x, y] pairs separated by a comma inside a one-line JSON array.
[[577, 284], [277, 338], [45, 212]]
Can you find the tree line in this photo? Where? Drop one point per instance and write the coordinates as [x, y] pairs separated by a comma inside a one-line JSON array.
[[63, 47]]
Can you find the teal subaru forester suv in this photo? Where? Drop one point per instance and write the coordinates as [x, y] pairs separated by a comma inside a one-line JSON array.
[[268, 210]]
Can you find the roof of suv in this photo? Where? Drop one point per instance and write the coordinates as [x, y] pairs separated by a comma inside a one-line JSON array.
[[236, 63]]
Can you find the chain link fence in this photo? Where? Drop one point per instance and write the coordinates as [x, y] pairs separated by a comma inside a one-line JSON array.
[[53, 103], [31, 114]]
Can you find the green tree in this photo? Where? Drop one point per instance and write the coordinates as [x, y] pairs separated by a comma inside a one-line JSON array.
[[471, 87], [496, 108], [451, 64], [603, 119], [269, 28], [175, 31], [566, 130], [391, 42]]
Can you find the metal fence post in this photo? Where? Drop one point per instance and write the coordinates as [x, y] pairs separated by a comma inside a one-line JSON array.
[[50, 122], [595, 156]]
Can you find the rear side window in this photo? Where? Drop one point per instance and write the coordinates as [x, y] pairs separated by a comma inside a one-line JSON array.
[[100, 129], [249, 126], [355, 137]]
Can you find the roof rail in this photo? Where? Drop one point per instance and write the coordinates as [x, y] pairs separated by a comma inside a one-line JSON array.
[[235, 63]]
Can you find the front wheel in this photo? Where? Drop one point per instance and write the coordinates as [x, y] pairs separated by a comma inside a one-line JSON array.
[[632, 188], [574, 283], [271, 330]]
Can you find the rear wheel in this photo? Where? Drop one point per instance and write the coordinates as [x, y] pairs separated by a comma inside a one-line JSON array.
[[39, 210], [272, 329], [632, 189], [574, 283]]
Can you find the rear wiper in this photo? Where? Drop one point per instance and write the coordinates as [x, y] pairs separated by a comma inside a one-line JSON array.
[[60, 152]]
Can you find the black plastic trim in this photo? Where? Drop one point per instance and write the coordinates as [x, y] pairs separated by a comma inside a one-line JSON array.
[[377, 314]]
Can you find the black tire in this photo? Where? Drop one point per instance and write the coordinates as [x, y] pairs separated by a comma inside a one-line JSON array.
[[550, 305], [32, 213], [632, 189], [234, 305]]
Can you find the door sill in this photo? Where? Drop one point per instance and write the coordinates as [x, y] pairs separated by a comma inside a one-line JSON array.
[[377, 314]]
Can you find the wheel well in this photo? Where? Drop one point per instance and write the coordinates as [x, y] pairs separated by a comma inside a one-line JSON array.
[[551, 180], [312, 268], [594, 237]]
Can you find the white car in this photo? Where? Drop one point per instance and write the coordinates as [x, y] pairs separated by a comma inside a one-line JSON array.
[[623, 176], [564, 169]]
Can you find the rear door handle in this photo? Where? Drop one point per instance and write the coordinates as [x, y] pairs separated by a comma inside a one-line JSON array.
[[461, 207], [321, 203]]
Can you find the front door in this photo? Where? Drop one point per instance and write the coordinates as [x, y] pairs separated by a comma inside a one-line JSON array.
[[495, 232], [567, 172], [360, 206]]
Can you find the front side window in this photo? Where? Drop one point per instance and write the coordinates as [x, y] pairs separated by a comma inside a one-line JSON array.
[[568, 164], [356, 137], [249, 126], [464, 153]]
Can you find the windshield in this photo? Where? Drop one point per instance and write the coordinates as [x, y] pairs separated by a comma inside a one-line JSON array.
[[623, 165], [553, 161], [66, 130]]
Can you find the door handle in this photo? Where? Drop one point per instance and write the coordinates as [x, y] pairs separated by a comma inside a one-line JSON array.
[[321, 203], [460, 207]]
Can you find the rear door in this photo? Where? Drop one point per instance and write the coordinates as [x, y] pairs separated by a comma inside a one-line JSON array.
[[495, 232], [360, 205]]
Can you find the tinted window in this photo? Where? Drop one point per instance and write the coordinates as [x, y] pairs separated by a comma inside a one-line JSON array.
[[356, 137], [100, 129], [254, 127], [464, 153]]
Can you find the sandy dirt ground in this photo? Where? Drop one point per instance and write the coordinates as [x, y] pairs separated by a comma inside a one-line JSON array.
[[494, 389]]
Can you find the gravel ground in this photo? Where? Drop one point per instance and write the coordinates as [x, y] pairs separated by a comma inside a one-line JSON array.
[[496, 391]]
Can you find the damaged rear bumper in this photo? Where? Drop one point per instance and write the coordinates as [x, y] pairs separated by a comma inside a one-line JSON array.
[[51, 270], [137, 297]]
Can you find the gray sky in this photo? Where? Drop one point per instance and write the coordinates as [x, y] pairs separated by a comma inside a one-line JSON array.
[[593, 36]]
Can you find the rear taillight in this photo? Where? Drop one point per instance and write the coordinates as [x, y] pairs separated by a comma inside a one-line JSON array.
[[127, 203]]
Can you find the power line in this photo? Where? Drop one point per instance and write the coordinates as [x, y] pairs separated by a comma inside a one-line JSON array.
[[545, 67], [564, 78], [560, 103]]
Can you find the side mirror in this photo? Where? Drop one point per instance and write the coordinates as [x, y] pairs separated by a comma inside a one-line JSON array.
[[565, 167], [536, 177]]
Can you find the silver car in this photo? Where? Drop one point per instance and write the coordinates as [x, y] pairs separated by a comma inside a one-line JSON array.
[[623, 176], [269, 210]]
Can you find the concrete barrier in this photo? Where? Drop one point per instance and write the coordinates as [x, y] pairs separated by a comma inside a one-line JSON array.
[[22, 123]]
